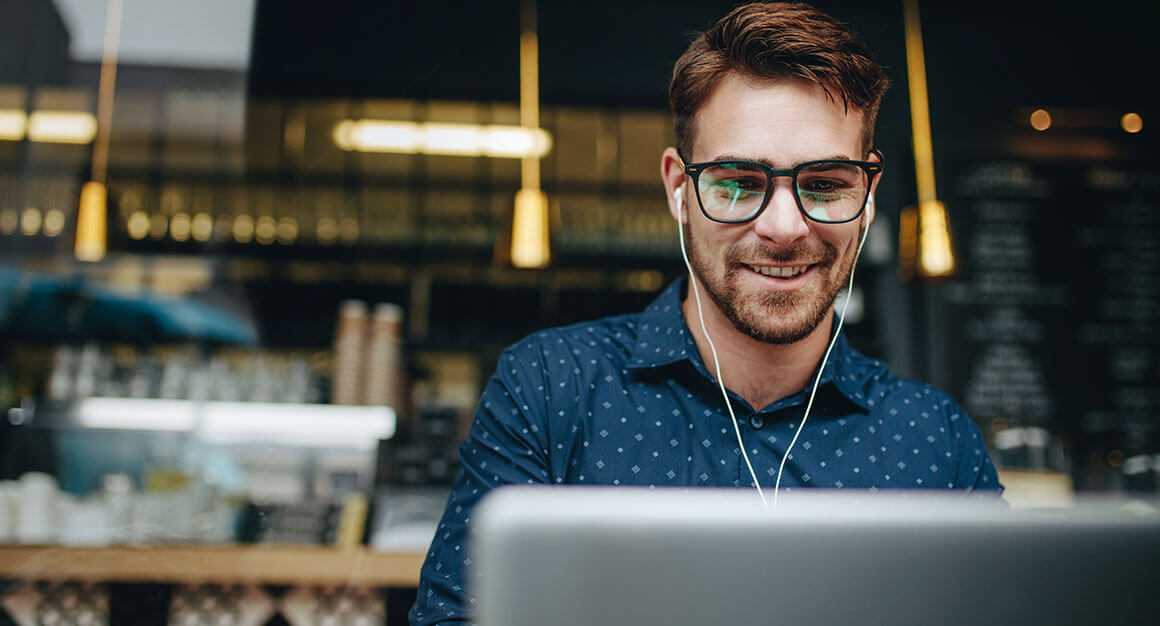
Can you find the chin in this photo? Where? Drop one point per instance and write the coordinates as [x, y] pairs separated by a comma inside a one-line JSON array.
[[781, 319]]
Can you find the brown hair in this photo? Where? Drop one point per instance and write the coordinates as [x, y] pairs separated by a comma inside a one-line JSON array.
[[776, 40]]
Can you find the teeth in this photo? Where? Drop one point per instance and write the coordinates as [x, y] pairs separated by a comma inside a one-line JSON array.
[[779, 272]]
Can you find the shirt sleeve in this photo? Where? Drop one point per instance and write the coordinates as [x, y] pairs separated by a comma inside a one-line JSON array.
[[506, 445], [975, 470]]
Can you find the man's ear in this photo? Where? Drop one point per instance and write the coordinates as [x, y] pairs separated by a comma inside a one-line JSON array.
[[875, 156], [673, 177]]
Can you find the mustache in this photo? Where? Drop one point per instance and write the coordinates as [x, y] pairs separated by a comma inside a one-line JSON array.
[[802, 253]]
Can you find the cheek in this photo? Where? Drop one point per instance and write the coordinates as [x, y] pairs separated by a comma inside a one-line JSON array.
[[843, 238], [719, 246], [709, 240]]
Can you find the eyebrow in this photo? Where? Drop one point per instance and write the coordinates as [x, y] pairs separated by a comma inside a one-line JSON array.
[[735, 157]]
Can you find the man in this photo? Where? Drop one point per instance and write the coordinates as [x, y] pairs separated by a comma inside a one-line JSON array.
[[771, 183]]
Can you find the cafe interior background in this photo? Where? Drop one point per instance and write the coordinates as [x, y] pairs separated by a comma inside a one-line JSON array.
[[257, 258]]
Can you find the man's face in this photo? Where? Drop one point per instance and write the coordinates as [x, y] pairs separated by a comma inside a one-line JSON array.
[[781, 123]]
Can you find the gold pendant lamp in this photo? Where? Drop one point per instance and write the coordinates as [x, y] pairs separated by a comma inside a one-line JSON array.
[[925, 247], [92, 228], [531, 232]]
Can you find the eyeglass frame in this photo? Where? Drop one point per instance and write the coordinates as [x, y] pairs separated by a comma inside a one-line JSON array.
[[871, 168]]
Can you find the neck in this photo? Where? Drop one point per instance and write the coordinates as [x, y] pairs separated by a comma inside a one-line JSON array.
[[759, 372]]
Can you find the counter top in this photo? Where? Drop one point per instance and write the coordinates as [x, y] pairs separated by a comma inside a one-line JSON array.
[[213, 564]]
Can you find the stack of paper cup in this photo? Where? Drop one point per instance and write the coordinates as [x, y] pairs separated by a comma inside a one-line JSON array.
[[384, 358], [348, 341]]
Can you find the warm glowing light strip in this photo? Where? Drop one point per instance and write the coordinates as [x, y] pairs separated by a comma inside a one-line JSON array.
[[13, 125], [513, 142], [62, 127], [74, 127]]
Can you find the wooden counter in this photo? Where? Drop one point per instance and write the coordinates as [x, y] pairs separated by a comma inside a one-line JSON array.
[[271, 565]]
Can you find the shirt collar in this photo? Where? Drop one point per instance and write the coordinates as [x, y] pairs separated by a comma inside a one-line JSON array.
[[663, 338]]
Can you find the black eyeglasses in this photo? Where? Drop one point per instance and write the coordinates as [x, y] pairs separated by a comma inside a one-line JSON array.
[[827, 191]]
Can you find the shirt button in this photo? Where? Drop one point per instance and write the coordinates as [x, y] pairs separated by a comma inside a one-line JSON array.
[[757, 422]]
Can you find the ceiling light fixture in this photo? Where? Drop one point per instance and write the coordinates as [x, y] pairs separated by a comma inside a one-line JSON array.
[[1132, 123], [471, 140], [1040, 120]]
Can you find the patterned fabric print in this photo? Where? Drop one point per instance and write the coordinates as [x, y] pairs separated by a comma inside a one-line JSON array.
[[627, 400], [58, 604]]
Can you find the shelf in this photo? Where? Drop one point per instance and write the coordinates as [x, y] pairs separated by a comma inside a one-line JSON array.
[[269, 565]]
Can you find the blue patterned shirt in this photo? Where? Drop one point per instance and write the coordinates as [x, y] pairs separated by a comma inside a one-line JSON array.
[[627, 400]]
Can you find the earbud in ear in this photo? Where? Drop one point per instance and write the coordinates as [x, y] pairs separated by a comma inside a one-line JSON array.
[[679, 198]]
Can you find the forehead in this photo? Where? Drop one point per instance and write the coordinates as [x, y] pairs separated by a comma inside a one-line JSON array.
[[784, 121]]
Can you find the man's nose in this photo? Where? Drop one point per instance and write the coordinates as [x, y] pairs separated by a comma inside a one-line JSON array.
[[781, 222]]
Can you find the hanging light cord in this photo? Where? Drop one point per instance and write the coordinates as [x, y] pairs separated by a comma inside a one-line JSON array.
[[106, 90]]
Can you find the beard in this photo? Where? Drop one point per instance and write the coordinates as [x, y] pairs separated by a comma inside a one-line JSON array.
[[772, 316]]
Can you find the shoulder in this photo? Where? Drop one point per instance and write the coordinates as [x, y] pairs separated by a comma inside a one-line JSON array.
[[550, 373], [556, 362], [909, 401], [921, 415], [928, 414], [883, 390], [945, 424], [569, 350], [604, 342], [917, 400]]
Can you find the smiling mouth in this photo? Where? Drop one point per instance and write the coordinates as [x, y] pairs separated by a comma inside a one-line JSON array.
[[779, 271]]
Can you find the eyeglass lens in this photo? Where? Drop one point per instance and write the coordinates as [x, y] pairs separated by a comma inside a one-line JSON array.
[[827, 191]]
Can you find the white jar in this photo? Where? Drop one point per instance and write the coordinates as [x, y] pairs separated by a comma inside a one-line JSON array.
[[37, 515]]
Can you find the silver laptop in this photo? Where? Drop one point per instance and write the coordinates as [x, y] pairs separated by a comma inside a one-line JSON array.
[[627, 557]]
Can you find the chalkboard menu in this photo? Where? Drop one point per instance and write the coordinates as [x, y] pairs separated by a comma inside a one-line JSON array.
[[1052, 320]]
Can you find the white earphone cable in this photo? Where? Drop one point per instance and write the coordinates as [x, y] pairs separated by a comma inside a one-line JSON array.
[[679, 199], [822, 368], [713, 350]]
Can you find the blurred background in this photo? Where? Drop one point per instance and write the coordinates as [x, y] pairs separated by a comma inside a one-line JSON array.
[[257, 257]]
